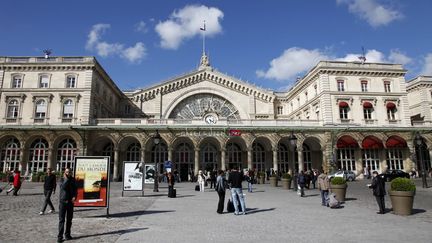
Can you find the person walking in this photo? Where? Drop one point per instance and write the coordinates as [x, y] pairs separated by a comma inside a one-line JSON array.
[[67, 195], [16, 184], [220, 188], [235, 180], [249, 181], [201, 180], [50, 185], [301, 181], [323, 186], [213, 175], [378, 186], [171, 181]]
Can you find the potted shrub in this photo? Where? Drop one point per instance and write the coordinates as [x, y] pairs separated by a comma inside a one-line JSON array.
[[338, 185], [261, 177], [3, 177], [41, 176], [35, 177], [286, 181], [274, 180], [402, 192]]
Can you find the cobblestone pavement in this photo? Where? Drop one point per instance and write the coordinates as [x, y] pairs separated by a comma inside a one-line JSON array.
[[274, 215]]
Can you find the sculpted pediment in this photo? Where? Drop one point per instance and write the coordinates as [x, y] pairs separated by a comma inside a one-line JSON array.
[[199, 76]]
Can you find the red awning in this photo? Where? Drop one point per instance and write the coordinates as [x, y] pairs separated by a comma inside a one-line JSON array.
[[391, 105], [396, 142], [372, 142], [346, 142], [367, 105], [343, 104]]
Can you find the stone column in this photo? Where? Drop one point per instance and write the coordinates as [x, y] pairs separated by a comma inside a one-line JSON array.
[[143, 152], [223, 165], [300, 158], [51, 162], [382, 158], [23, 162], [275, 159], [170, 153], [197, 165], [249, 158], [359, 161], [116, 164]]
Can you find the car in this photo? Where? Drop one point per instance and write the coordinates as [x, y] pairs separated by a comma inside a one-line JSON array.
[[346, 174], [389, 175]]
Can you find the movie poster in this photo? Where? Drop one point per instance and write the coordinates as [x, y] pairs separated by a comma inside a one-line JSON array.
[[92, 180], [133, 176], [150, 173]]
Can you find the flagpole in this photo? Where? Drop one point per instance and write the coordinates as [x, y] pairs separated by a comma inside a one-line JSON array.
[[204, 30]]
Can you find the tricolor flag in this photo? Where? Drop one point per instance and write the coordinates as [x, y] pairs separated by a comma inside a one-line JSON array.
[[203, 28]]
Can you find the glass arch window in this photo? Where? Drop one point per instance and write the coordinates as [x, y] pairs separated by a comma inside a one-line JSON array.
[[346, 158], [283, 162], [38, 157], [13, 109], [258, 157], [66, 152], [133, 152], [68, 109], [307, 159], [395, 159], [371, 159], [10, 155], [209, 156], [108, 150], [234, 155], [159, 154]]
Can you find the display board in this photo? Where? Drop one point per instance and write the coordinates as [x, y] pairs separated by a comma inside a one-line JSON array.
[[150, 173], [92, 180], [133, 178]]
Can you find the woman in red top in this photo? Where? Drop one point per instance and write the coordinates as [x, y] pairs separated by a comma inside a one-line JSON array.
[[16, 182]]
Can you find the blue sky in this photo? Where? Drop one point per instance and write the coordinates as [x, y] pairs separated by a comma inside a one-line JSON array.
[[268, 43]]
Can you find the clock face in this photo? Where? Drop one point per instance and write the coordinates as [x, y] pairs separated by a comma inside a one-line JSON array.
[[210, 119]]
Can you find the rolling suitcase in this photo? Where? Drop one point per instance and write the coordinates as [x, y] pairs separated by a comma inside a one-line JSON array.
[[172, 193], [230, 205], [197, 188]]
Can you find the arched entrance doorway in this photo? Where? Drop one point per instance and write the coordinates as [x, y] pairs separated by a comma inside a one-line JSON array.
[[372, 148], [183, 158], [346, 147], [396, 152], [10, 155], [312, 154]]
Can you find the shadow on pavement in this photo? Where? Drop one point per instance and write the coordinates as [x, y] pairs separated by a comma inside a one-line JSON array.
[[311, 195], [417, 211], [28, 194], [110, 233], [185, 196], [256, 210], [131, 214], [85, 209], [350, 199], [156, 195]]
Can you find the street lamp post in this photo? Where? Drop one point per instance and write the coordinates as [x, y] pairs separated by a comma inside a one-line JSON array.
[[293, 144], [419, 142], [157, 139]]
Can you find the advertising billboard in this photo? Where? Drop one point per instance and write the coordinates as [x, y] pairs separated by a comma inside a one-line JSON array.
[[133, 176], [92, 180]]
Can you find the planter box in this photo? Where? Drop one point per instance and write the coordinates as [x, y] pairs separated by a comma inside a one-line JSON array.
[[340, 191], [286, 184], [402, 202], [261, 180], [273, 181]]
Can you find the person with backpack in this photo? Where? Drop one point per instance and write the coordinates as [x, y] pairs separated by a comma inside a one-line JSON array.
[[220, 187]]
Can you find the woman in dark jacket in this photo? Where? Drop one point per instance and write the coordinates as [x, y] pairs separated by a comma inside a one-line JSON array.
[[378, 187], [171, 179]]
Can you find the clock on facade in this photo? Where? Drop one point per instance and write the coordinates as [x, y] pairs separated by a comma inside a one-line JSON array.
[[210, 119]]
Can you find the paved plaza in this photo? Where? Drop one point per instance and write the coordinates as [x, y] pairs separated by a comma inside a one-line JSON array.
[[274, 214]]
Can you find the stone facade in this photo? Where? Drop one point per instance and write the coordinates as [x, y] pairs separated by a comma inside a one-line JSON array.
[[344, 114]]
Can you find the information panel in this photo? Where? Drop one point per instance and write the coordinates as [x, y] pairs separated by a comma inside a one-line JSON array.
[[92, 180], [133, 178], [150, 173]]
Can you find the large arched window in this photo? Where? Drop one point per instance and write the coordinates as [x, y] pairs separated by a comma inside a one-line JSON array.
[[108, 150], [159, 154], [133, 152], [234, 155], [307, 159], [66, 152], [10, 155], [13, 109], [283, 162], [38, 158], [68, 109], [346, 153], [258, 157], [183, 159], [41, 109], [209, 156]]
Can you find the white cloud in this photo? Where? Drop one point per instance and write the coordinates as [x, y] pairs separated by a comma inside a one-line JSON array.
[[141, 27], [370, 10], [427, 66], [297, 61], [185, 24], [104, 49], [135, 54], [398, 57], [292, 62]]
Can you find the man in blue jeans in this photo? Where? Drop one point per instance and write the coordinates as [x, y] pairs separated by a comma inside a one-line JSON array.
[[235, 180]]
